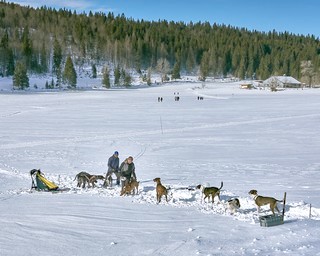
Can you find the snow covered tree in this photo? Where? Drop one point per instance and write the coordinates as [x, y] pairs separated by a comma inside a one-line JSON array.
[[69, 75], [163, 67], [20, 77], [307, 71]]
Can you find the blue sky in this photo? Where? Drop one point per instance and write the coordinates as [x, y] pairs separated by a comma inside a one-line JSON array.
[[295, 16]]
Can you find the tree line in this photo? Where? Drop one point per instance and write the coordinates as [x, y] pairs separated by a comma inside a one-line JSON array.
[[43, 40]]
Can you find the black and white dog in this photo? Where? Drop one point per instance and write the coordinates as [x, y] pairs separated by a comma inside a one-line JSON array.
[[233, 205]]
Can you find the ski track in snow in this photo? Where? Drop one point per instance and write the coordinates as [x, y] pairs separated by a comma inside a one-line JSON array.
[[178, 196]]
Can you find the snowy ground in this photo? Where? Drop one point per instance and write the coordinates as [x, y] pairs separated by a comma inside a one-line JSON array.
[[247, 139]]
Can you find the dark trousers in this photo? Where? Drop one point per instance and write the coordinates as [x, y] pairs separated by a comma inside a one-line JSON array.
[[110, 172]]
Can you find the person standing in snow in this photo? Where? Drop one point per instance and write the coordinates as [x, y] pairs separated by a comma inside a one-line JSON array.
[[127, 171], [113, 167]]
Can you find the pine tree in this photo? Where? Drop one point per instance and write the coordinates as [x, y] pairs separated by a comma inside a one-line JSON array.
[[127, 80], [57, 56], [27, 47], [94, 71], [51, 84], [3, 54], [10, 63], [20, 77], [204, 67], [149, 77], [117, 76], [176, 71], [43, 59], [122, 76], [140, 44], [190, 61], [106, 78], [6, 57], [59, 78], [69, 75]]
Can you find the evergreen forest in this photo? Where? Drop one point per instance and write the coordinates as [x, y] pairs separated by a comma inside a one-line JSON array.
[[44, 40]]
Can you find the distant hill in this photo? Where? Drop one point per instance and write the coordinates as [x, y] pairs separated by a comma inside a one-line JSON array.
[[43, 38]]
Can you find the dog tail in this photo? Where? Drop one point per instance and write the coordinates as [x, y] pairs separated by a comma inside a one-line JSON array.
[[221, 185]]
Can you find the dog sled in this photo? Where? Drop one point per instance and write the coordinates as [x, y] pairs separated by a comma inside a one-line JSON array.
[[39, 182]]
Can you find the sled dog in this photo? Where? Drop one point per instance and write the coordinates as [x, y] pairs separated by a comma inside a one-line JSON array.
[[130, 188], [233, 204], [84, 178], [261, 200], [210, 191], [160, 190]]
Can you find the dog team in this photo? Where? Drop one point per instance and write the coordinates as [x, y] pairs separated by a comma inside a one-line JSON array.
[[125, 173]]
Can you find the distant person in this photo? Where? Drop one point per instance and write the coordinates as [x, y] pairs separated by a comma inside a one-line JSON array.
[[127, 171], [113, 167]]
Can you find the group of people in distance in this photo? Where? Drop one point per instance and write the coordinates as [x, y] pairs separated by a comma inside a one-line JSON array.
[[125, 172]]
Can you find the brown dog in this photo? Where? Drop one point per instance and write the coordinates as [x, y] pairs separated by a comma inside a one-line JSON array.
[[94, 179], [210, 191], [130, 187], [161, 190], [261, 200]]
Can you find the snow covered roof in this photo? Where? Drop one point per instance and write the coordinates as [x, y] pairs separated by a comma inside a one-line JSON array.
[[283, 80]]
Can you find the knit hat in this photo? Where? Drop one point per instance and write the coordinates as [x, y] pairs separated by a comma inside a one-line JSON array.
[[116, 153]]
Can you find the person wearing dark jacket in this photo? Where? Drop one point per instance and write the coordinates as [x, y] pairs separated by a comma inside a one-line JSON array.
[[113, 167], [127, 171]]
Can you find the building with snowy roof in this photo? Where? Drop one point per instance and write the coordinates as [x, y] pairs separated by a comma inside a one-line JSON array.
[[282, 82]]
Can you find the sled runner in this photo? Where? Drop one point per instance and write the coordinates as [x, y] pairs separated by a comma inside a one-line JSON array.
[[39, 182]]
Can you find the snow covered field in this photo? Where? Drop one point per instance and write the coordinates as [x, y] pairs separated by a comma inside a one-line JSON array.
[[248, 139]]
